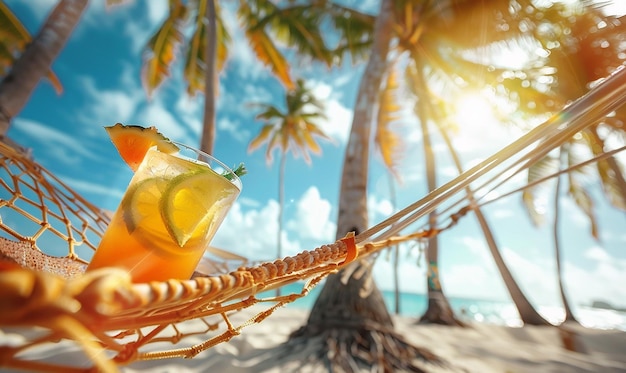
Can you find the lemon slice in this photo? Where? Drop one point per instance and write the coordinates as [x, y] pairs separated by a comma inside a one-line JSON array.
[[191, 204], [141, 212]]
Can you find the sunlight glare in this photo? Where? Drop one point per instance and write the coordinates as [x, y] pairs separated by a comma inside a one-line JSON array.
[[473, 111]]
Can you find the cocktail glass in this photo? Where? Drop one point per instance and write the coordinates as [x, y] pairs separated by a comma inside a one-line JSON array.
[[171, 210]]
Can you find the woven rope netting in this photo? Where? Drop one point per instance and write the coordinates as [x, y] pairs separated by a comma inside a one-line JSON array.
[[48, 233]]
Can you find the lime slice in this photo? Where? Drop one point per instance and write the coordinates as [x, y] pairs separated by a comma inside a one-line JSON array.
[[190, 203]]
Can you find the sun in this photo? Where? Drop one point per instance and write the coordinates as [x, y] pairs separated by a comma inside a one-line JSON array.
[[480, 120], [473, 110]]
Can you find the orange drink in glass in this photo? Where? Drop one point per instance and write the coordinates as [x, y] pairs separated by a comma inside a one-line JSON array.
[[168, 215]]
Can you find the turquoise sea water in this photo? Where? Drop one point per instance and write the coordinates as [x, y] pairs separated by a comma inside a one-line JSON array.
[[477, 310]]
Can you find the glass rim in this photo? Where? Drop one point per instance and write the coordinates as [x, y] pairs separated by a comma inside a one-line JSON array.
[[236, 181]]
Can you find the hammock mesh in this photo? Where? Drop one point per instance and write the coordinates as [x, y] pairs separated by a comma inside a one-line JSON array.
[[48, 232]]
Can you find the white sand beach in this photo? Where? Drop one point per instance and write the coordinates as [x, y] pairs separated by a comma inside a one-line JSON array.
[[477, 348]]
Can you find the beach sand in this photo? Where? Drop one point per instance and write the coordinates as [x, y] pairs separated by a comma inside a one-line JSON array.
[[477, 348]]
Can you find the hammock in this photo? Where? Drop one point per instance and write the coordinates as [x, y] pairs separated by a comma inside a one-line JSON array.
[[117, 322]]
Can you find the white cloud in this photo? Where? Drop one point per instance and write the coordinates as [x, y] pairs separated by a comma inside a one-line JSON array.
[[250, 233], [339, 121], [472, 281], [108, 107], [603, 281], [312, 219], [84, 187], [234, 129], [479, 278], [191, 111], [253, 233], [62, 145], [339, 118], [412, 278], [156, 114], [597, 254], [378, 208], [138, 29], [533, 274]]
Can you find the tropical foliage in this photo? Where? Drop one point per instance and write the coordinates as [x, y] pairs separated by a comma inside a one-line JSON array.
[[36, 60], [14, 37], [266, 25], [295, 129], [562, 59]]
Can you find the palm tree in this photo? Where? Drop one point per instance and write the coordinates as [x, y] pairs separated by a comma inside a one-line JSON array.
[[572, 37], [350, 313], [572, 63], [265, 23], [35, 62], [426, 37], [293, 129]]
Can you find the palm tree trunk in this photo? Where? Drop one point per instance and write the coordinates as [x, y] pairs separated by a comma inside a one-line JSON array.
[[35, 62], [395, 251], [207, 142], [569, 315], [438, 310], [281, 203], [352, 214], [355, 326]]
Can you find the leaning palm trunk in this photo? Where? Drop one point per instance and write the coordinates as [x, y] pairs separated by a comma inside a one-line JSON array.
[[569, 315], [528, 314], [35, 62]]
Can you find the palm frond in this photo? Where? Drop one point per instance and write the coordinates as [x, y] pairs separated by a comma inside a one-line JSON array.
[[264, 47], [309, 140], [13, 34], [356, 30], [490, 21], [160, 51], [112, 3], [389, 144], [293, 129], [274, 142], [13, 39], [261, 138], [583, 200], [534, 198], [611, 172], [296, 137], [270, 113], [223, 39], [195, 63], [299, 27]]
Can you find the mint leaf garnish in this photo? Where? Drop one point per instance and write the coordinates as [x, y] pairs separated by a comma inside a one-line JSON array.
[[239, 171]]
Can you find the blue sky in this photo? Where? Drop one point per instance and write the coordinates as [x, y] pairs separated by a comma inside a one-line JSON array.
[[100, 72]]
